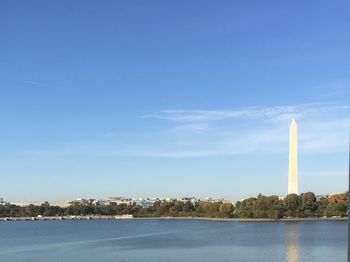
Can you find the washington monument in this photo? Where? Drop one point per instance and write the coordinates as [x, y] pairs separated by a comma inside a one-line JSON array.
[[293, 159]]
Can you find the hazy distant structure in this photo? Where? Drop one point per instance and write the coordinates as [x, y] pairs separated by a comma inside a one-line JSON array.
[[293, 159]]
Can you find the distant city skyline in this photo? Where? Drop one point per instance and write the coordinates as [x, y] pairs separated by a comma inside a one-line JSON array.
[[177, 99]]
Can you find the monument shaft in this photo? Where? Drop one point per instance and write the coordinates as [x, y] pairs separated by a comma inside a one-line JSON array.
[[293, 159]]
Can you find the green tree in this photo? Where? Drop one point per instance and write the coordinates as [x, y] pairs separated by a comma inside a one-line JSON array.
[[308, 201], [336, 209], [291, 204], [321, 207], [226, 209], [179, 206], [187, 207]]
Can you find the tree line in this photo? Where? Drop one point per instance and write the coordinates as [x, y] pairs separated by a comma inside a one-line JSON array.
[[298, 206]]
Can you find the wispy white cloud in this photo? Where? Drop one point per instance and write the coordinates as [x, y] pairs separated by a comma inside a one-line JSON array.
[[192, 127], [173, 154], [325, 136], [324, 174], [33, 83], [277, 113], [322, 128]]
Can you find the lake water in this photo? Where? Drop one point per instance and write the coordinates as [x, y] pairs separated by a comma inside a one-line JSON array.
[[176, 240]]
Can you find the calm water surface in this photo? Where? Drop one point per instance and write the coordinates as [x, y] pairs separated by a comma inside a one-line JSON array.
[[159, 240]]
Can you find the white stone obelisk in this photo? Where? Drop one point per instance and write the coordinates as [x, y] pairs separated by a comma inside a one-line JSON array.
[[293, 159]]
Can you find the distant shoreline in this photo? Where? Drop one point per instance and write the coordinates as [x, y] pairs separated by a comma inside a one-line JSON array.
[[74, 218], [244, 219]]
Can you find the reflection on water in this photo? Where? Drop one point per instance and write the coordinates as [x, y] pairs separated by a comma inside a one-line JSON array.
[[173, 241], [292, 242]]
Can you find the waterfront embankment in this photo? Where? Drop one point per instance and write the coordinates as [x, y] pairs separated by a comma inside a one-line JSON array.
[[290, 219]]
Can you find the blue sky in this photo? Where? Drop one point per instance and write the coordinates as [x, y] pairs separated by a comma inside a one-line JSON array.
[[171, 98]]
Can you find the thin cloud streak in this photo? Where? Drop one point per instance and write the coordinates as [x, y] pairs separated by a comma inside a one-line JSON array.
[[277, 113], [322, 128], [324, 174], [33, 83]]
